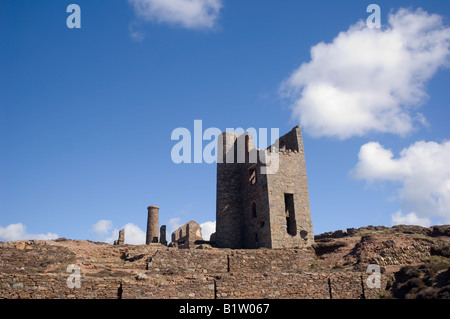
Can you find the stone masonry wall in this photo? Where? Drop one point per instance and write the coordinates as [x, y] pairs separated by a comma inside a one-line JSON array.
[[187, 235], [214, 261], [38, 271], [54, 286], [173, 261], [290, 179], [196, 286], [256, 212], [295, 286], [228, 196], [170, 287]]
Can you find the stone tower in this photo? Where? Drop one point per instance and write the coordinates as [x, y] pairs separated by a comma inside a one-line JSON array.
[[121, 240], [255, 209], [152, 225]]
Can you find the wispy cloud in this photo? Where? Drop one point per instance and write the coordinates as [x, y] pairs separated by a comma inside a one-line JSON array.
[[135, 34], [102, 227], [189, 14], [172, 225], [410, 219], [134, 235], [19, 232]]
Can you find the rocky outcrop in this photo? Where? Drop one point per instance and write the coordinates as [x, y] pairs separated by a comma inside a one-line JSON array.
[[422, 282]]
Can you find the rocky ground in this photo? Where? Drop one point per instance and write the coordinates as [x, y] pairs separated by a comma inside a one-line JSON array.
[[414, 260], [417, 259]]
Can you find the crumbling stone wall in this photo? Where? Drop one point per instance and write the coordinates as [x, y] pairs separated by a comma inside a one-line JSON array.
[[54, 286], [174, 261], [214, 261], [121, 239], [187, 235], [170, 287]]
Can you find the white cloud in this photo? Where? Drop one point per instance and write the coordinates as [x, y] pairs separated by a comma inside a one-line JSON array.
[[207, 229], [19, 232], [370, 80], [190, 14], [410, 219], [422, 170], [172, 225], [102, 227], [134, 235], [135, 34], [114, 236]]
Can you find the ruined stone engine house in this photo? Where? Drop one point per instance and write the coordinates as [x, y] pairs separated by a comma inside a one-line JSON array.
[[255, 207], [262, 210]]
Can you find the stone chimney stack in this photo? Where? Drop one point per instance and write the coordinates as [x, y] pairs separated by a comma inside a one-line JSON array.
[[121, 240], [152, 225], [163, 239], [122, 237]]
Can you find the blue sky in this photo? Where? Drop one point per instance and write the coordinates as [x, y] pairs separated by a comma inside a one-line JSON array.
[[86, 115]]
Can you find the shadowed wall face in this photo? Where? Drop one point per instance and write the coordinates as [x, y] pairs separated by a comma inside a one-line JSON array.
[[229, 225]]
